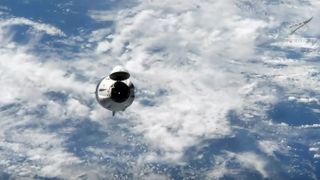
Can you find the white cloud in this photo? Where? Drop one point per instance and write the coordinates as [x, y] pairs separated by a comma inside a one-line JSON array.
[[190, 60], [220, 169], [102, 15], [193, 62], [246, 160], [103, 47], [49, 29], [32, 152], [74, 107], [174, 54], [25, 80], [269, 147], [253, 161]]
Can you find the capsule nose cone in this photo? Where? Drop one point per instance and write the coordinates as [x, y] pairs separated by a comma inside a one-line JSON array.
[[118, 68], [119, 73]]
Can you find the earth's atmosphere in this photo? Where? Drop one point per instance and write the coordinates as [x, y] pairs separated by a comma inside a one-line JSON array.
[[223, 90]]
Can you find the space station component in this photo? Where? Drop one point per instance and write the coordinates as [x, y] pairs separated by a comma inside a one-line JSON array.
[[299, 25]]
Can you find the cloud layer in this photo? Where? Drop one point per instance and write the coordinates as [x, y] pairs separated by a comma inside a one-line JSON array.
[[211, 79]]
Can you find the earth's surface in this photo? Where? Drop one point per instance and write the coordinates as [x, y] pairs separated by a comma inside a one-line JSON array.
[[223, 90]]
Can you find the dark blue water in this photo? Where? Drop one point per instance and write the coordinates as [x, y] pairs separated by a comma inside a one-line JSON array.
[[69, 16], [295, 113]]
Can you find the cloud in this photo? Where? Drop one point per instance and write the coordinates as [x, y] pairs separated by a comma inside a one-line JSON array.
[[28, 152], [269, 147], [176, 57], [242, 163], [41, 27], [31, 101], [253, 161], [193, 64]]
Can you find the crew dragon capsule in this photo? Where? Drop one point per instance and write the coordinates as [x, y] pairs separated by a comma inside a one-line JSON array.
[[115, 92]]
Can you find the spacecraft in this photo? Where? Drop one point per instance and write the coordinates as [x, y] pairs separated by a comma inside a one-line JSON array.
[[115, 92]]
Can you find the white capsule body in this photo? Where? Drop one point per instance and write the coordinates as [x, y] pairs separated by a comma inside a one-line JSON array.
[[115, 92]]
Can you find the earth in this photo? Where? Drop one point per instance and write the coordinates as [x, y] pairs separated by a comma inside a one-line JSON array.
[[224, 89]]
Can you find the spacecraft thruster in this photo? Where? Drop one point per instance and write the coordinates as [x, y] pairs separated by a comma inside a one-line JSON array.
[[115, 92]]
